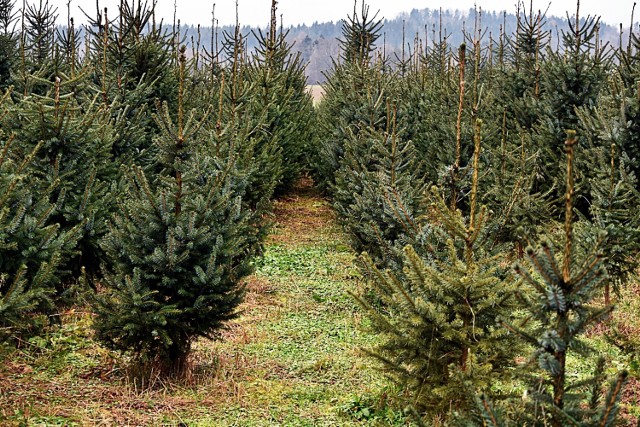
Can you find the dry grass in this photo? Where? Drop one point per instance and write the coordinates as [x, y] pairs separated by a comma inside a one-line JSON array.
[[303, 217]]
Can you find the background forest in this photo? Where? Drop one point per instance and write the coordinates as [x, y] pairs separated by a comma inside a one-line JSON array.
[[485, 182], [319, 42]]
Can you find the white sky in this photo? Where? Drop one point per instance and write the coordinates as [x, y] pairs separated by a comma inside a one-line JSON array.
[[256, 12]]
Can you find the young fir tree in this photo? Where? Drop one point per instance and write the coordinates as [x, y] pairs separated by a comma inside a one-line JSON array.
[[40, 31], [626, 93], [613, 193], [31, 247], [8, 43], [438, 114], [379, 195], [246, 101], [240, 126], [251, 99], [280, 79], [132, 64], [433, 113], [69, 43], [511, 185], [37, 48], [440, 327], [74, 158], [178, 249], [562, 290], [572, 78], [356, 94], [520, 84], [374, 172]]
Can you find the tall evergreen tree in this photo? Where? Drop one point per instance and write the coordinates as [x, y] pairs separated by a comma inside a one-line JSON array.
[[379, 194], [37, 48], [40, 31], [280, 79], [512, 187], [8, 43], [521, 87], [244, 123], [625, 102], [571, 79], [133, 65], [614, 192], [433, 113], [360, 34], [356, 94], [75, 158]]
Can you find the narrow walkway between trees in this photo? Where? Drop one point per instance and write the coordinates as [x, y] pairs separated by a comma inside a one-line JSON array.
[[294, 354]]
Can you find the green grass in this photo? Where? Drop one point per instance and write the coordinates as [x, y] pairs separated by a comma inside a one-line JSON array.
[[308, 369]]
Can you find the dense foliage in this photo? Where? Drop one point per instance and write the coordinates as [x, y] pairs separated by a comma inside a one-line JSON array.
[[32, 249], [147, 170], [443, 295], [141, 172]]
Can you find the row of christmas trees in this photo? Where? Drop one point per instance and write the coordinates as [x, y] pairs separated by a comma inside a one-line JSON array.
[[447, 167], [145, 174]]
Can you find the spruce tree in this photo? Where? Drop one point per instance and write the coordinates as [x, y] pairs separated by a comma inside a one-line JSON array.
[[433, 113], [244, 105], [178, 249], [132, 64], [279, 77], [512, 187], [379, 194], [37, 48], [438, 108], [32, 248], [40, 34], [571, 79], [511, 190], [8, 43], [627, 94], [613, 193], [574, 78], [74, 159], [441, 335], [356, 94], [69, 43], [520, 84], [561, 297]]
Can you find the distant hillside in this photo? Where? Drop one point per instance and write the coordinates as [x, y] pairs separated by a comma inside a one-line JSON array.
[[318, 43]]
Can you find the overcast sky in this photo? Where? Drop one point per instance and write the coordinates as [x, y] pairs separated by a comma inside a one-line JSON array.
[[256, 12]]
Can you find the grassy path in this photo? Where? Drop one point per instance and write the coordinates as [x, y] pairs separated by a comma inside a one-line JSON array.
[[291, 359]]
